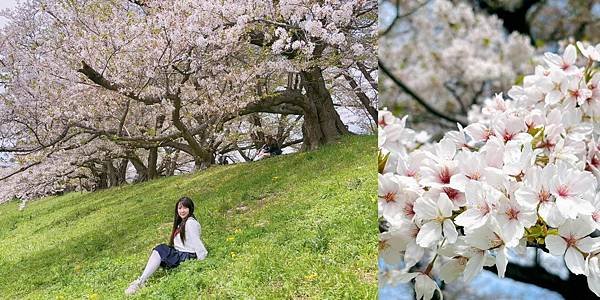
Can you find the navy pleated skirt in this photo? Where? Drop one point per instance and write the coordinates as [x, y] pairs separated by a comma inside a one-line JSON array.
[[170, 257]]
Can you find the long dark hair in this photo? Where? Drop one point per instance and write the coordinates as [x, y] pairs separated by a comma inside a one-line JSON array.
[[178, 221]]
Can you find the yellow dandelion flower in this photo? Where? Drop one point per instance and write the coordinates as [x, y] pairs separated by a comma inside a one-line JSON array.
[[311, 277]]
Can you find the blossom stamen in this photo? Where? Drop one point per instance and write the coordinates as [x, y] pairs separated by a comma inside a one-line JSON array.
[[512, 214], [484, 209], [563, 191], [408, 209], [444, 175], [596, 216], [507, 136], [474, 176], [451, 193], [544, 196], [571, 241], [390, 197]]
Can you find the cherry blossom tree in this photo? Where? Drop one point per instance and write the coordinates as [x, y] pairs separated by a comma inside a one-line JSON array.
[[155, 84]]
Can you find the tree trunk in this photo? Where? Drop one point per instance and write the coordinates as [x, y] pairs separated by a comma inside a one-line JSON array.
[[152, 160], [122, 171], [111, 173], [172, 165], [202, 158], [139, 166], [322, 124], [204, 161]]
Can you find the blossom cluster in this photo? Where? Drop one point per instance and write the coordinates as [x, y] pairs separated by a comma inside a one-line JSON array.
[[524, 173]]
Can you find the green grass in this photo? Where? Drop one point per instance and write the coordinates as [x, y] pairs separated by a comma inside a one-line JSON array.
[[300, 226]]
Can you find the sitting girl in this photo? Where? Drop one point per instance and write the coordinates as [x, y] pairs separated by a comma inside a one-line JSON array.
[[184, 244]]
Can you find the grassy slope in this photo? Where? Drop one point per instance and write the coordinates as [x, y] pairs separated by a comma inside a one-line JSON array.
[[295, 226]]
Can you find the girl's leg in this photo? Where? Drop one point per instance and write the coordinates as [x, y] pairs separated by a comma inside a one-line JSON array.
[[151, 266]]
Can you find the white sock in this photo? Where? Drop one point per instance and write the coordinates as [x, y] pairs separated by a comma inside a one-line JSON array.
[[153, 264]]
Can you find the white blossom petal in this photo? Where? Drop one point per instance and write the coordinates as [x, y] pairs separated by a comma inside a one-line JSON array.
[[588, 244], [474, 266], [425, 287], [471, 218], [451, 270], [430, 233], [574, 261], [501, 261], [413, 254], [556, 244], [570, 55], [405, 277], [450, 231], [425, 208], [445, 205]]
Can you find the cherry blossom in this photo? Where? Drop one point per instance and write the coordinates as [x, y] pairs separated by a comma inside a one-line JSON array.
[[572, 241], [396, 197], [425, 287], [592, 271], [569, 187], [481, 240], [467, 54], [512, 219], [589, 51], [566, 63], [435, 217], [481, 200], [535, 192]]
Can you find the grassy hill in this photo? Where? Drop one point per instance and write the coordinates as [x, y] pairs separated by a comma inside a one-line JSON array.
[[300, 226]]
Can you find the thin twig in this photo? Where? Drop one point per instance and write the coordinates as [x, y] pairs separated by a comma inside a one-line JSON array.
[[420, 100]]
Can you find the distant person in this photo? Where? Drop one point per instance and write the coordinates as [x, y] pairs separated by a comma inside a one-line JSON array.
[[269, 149], [184, 244]]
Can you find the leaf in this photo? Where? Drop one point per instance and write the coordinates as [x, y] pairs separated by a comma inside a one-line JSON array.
[[539, 43], [382, 161], [519, 80], [486, 42]]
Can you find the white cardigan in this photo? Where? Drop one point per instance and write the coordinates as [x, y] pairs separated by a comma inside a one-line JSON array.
[[193, 244]]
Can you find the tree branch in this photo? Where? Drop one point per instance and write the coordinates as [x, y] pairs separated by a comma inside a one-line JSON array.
[[366, 102], [363, 69], [100, 80], [398, 16], [456, 96], [420, 100], [289, 102], [20, 170], [55, 141], [574, 288]]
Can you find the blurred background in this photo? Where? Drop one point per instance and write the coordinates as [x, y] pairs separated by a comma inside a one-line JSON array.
[[439, 61]]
